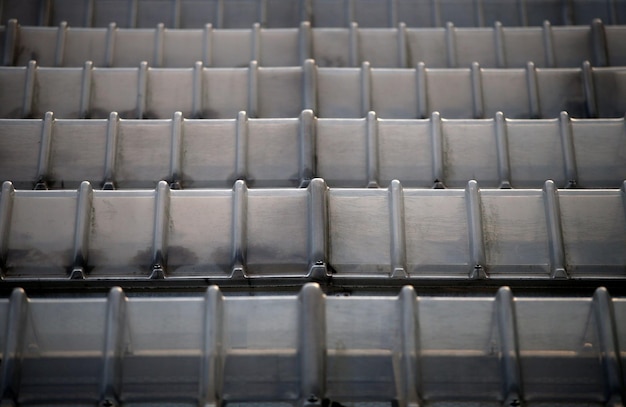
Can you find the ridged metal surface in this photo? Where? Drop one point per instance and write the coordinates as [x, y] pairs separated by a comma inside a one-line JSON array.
[[401, 47], [191, 153], [309, 349], [324, 13], [474, 92], [282, 142], [313, 233]]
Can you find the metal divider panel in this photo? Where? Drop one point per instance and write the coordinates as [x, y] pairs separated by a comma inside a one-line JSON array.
[[539, 11], [394, 93], [195, 14], [416, 13], [619, 313], [427, 46], [209, 155], [599, 141], [220, 82], [342, 151], [19, 151], [280, 92], [58, 90], [515, 229], [82, 44], [284, 212], [260, 354], [461, 14], [569, 356], [458, 355], [347, 353], [617, 54], [39, 44], [523, 44], [582, 10], [230, 48], [535, 151], [4, 34], [64, 340], [594, 231], [121, 12], [279, 47], [152, 12], [4, 317], [41, 234], [114, 90], [179, 330], [475, 45], [169, 90], [359, 234], [182, 48], [437, 238], [339, 92], [405, 152], [77, 153], [469, 152], [143, 153], [273, 156], [27, 11], [449, 92], [200, 233], [379, 46], [505, 90], [132, 46], [560, 89], [121, 231], [609, 83], [12, 84], [329, 13], [242, 14], [331, 47], [572, 45]]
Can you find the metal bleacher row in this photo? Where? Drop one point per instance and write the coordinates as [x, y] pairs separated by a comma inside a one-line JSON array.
[[323, 13], [315, 231], [198, 92], [196, 153], [313, 203], [223, 349], [398, 47]]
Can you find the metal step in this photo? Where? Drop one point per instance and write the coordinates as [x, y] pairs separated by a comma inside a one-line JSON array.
[[324, 13], [313, 233], [198, 153], [475, 92], [400, 47], [311, 349]]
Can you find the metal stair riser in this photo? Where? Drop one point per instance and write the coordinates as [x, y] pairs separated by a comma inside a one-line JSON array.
[[500, 152], [310, 233], [308, 347], [146, 92], [324, 13], [401, 47]]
